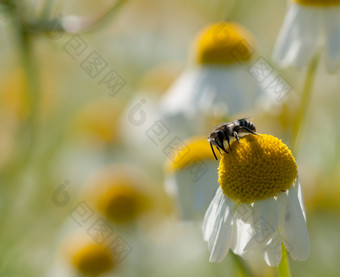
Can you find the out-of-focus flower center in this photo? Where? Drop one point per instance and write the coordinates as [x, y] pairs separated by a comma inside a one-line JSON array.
[[318, 2], [257, 168], [192, 151], [92, 259], [121, 203], [224, 43]]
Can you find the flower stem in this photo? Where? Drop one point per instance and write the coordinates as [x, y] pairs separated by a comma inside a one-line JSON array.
[[29, 127], [284, 270], [305, 100], [33, 91]]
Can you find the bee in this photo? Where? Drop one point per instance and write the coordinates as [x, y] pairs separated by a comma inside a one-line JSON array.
[[228, 131]]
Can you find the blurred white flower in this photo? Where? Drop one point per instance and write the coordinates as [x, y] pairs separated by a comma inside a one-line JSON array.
[[310, 27], [259, 203], [138, 124], [217, 85], [191, 178]]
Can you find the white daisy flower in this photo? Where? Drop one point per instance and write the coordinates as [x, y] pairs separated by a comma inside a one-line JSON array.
[[259, 203], [309, 26], [218, 83], [187, 176], [80, 255]]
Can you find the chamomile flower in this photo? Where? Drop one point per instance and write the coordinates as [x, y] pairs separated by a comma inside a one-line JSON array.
[[217, 84], [187, 176], [119, 194], [309, 26], [88, 257], [259, 203]]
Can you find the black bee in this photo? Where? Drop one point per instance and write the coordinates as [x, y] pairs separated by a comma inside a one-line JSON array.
[[228, 131]]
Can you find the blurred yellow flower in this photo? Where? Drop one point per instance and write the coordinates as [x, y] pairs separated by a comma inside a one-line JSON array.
[[122, 202], [98, 120], [309, 27], [14, 95], [90, 258], [191, 178], [196, 150], [118, 194], [15, 102], [258, 178], [224, 43]]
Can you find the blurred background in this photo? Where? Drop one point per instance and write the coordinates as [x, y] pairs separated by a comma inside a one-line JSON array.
[[80, 86]]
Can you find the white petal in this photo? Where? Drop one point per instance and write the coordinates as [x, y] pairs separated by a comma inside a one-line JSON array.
[[332, 28], [210, 216], [222, 240], [298, 38], [273, 251], [180, 92], [284, 39], [170, 185], [293, 229], [211, 89], [242, 228], [266, 222], [193, 189], [300, 196]]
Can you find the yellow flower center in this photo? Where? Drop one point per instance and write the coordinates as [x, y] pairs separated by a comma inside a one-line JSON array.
[[224, 43], [121, 203], [318, 2], [256, 168], [92, 259], [98, 120], [194, 150]]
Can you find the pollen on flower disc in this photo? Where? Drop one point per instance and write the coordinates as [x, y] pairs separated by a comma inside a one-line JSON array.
[[256, 168], [224, 43]]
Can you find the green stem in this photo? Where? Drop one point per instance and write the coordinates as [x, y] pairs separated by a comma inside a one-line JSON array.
[[25, 53], [242, 269], [33, 91], [284, 270], [305, 100]]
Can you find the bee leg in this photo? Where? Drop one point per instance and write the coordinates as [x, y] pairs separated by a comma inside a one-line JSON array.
[[229, 143], [222, 147], [250, 131], [236, 137], [212, 148]]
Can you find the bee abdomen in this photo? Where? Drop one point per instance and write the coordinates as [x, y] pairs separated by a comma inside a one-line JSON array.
[[248, 124]]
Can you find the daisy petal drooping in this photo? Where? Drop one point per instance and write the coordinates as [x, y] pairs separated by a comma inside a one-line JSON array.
[[310, 27], [259, 177]]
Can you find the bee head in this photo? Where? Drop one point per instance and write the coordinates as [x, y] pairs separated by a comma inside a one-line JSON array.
[[216, 138]]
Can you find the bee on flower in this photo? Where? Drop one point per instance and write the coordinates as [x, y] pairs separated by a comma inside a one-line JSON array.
[[258, 204], [310, 27]]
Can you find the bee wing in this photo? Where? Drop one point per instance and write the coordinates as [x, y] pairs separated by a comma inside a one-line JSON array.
[[216, 126], [245, 118]]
